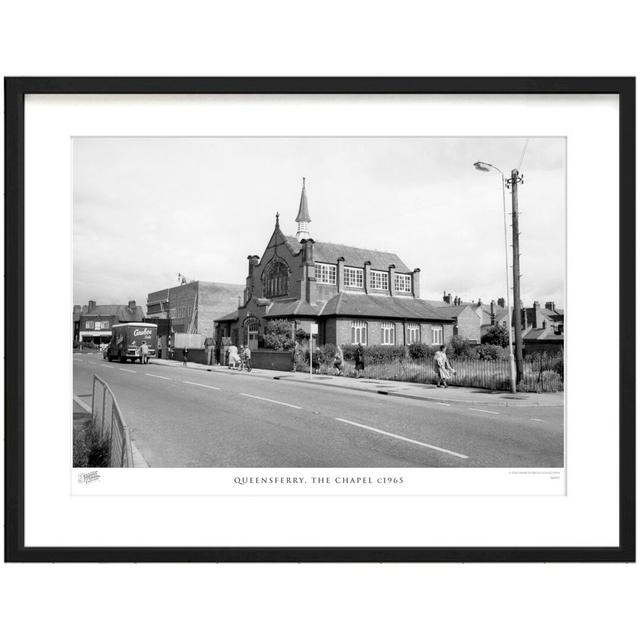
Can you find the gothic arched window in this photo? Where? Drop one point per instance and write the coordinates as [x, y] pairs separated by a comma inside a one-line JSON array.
[[276, 279]]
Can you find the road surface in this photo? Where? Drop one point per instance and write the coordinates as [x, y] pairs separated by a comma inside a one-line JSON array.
[[182, 417]]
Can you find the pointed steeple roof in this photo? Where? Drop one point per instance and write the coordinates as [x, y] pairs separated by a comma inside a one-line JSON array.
[[303, 209]]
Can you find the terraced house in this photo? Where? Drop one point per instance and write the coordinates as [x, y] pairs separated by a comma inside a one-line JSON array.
[[352, 294]]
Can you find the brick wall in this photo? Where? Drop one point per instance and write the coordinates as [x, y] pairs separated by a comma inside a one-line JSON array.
[[468, 325], [277, 247], [275, 360], [215, 300]]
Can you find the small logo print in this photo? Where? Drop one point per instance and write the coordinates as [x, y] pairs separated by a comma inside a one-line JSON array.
[[87, 478]]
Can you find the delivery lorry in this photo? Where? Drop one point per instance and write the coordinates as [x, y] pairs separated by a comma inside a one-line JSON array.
[[127, 338]]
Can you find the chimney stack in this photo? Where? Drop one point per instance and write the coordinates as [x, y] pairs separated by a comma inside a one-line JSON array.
[[446, 297], [92, 306], [538, 318], [415, 282], [551, 306], [132, 305], [501, 302], [493, 312]]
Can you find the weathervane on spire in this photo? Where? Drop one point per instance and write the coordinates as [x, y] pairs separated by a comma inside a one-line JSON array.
[[277, 218]]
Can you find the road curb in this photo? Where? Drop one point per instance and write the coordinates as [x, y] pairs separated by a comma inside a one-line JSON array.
[[440, 399], [398, 394]]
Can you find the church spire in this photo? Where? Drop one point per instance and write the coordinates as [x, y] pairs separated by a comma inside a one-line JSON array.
[[303, 218]]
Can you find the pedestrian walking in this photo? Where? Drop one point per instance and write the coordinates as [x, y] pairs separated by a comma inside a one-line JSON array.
[[241, 357], [338, 361], [185, 356], [443, 367], [234, 360], [144, 353], [247, 358], [359, 359]]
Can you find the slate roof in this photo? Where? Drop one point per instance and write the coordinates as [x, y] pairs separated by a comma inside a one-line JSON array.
[[556, 315], [353, 256], [398, 307], [547, 335], [229, 317], [291, 308], [452, 310]]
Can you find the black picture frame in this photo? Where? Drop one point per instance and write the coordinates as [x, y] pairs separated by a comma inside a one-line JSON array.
[[15, 91]]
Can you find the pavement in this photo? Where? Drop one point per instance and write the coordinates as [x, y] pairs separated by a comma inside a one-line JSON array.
[[200, 416], [416, 391]]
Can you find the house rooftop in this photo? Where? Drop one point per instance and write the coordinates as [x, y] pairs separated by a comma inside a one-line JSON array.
[[353, 256], [345, 304], [123, 312]]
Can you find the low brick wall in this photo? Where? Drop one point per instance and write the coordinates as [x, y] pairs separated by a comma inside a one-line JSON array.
[[195, 355], [275, 360]]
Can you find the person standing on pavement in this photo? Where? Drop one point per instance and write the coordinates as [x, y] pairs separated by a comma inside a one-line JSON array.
[[359, 359], [185, 356], [144, 353], [247, 357], [338, 361], [295, 353], [443, 367]]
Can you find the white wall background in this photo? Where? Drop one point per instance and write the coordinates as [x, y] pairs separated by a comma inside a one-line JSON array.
[[330, 38]]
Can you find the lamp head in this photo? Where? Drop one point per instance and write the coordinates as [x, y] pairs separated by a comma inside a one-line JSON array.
[[482, 166]]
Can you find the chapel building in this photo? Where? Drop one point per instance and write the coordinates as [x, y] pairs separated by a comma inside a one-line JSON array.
[[352, 294]]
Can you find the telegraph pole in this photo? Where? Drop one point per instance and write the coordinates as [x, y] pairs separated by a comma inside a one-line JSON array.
[[512, 183]]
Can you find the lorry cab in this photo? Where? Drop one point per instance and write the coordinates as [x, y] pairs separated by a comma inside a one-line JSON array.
[[127, 338]]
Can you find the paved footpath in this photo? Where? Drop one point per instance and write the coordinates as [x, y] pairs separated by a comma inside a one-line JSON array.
[[413, 390]]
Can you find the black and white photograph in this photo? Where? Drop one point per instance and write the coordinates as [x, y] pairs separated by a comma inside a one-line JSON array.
[[319, 302]]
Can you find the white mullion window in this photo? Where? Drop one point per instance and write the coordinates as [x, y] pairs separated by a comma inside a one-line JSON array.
[[380, 280], [413, 333], [388, 331], [437, 334], [403, 282], [354, 277], [325, 273], [359, 332]]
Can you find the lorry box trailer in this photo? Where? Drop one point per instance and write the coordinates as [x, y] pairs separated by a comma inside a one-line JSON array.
[[127, 338]]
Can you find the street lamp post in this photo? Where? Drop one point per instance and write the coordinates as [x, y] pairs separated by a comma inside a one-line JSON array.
[[485, 166]]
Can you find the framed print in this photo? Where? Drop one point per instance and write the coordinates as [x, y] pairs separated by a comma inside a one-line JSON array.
[[320, 319]]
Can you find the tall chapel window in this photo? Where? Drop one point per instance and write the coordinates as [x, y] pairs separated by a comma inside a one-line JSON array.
[[276, 282]]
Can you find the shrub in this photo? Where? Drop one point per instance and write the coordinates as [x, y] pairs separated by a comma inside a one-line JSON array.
[[383, 353], [89, 449], [375, 354], [488, 352], [458, 346], [322, 355], [277, 335], [497, 335], [419, 350], [558, 367], [349, 351]]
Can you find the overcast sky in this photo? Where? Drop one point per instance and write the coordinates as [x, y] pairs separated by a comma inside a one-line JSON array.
[[146, 209]]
